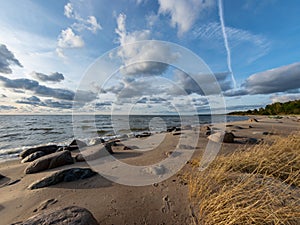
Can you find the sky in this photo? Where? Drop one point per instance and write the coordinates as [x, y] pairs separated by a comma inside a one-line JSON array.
[[147, 56]]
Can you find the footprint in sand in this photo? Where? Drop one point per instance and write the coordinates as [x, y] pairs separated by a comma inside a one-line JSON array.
[[166, 205]]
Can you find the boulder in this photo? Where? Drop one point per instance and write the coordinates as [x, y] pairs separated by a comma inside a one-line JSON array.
[[253, 120], [50, 161], [1, 176], [71, 215], [66, 175], [33, 156], [144, 134], [79, 158], [226, 137], [206, 130], [47, 149], [78, 143]]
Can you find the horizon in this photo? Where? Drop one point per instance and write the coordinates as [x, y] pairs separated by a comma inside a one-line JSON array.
[[54, 54]]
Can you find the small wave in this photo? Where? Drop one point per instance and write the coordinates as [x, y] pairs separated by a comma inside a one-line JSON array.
[[42, 128], [10, 135]]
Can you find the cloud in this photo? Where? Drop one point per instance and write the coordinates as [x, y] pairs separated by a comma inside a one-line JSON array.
[[35, 101], [284, 98], [35, 87], [90, 23], [68, 39], [6, 107], [53, 77], [284, 79], [259, 45], [184, 13], [7, 59], [206, 81], [3, 96], [281, 79], [137, 58]]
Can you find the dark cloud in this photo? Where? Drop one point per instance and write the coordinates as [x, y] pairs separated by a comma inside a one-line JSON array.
[[7, 59], [285, 79], [6, 107], [205, 84], [3, 96], [53, 77], [35, 87], [35, 101], [281, 79], [41, 90]]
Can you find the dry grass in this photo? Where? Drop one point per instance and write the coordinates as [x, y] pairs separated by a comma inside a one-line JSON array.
[[258, 186]]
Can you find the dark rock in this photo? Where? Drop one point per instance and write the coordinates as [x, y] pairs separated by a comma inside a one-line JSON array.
[[171, 129], [66, 175], [78, 143], [14, 182], [252, 141], [50, 161], [47, 149], [1, 176], [108, 148], [177, 133], [33, 156], [71, 215], [253, 120], [228, 137], [79, 158], [127, 148]]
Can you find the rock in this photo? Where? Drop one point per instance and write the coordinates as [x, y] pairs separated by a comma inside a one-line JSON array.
[[177, 133], [226, 137], [253, 120], [127, 148], [13, 182], [71, 215], [1, 176], [144, 134], [171, 129], [97, 141], [47, 149], [66, 175], [108, 148], [206, 130], [69, 148], [79, 158], [50, 161], [44, 205], [252, 141], [78, 143], [33, 156]]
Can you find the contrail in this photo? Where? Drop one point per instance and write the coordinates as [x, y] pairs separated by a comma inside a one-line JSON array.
[[226, 42]]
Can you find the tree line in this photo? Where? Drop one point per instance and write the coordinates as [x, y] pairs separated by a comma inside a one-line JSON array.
[[278, 108]]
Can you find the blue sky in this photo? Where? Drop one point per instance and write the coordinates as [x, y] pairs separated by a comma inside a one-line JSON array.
[[250, 47]]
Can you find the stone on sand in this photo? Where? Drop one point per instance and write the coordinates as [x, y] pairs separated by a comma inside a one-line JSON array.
[[47, 149], [66, 175], [49, 161], [71, 215], [33, 156], [78, 143], [226, 137]]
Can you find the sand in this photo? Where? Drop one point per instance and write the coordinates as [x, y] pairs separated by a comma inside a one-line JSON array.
[[165, 202]]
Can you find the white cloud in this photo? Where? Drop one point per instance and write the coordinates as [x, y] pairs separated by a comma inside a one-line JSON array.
[[184, 12], [69, 10], [141, 54], [68, 39]]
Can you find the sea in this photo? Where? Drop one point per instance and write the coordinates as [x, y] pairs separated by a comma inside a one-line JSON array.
[[19, 132]]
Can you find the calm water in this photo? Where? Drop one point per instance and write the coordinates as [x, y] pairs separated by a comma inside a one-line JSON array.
[[24, 131]]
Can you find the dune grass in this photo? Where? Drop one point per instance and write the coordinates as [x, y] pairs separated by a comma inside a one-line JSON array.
[[257, 186]]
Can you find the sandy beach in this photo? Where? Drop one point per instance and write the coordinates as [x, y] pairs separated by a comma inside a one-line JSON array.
[[166, 202]]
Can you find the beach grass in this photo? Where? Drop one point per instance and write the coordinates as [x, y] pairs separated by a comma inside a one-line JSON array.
[[260, 185]]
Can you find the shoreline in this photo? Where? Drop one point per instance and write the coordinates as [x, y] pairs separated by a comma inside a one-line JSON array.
[[112, 203]]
